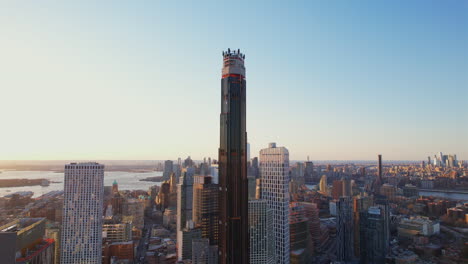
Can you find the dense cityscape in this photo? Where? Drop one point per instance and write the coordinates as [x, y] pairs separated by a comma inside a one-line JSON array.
[[234, 132], [243, 209]]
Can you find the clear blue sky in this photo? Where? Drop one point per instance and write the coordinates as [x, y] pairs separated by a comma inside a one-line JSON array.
[[141, 79]]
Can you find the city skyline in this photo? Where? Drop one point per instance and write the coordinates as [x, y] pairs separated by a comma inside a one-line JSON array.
[[367, 82]]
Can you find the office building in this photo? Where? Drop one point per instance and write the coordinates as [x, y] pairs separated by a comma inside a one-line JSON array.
[[344, 230], [410, 227], [168, 169], [337, 189], [81, 234], [360, 204], [185, 238], [388, 191], [233, 193], [309, 172], [203, 252], [117, 232], [54, 233], [300, 243], [205, 208], [311, 212], [118, 252], [410, 190], [262, 247], [323, 185], [379, 168], [274, 173], [115, 187], [184, 215], [22, 242], [373, 242]]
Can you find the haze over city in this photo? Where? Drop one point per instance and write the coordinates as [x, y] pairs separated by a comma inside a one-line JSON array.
[[140, 81]]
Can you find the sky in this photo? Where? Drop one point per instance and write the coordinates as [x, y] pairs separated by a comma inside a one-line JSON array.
[[140, 80]]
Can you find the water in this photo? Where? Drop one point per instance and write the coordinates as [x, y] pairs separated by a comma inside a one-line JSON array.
[[126, 181], [446, 195]]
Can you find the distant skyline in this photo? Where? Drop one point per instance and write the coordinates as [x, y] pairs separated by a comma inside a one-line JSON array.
[[116, 80]]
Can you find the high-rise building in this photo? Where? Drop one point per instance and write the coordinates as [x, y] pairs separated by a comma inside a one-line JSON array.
[[274, 173], [203, 252], [21, 241], [380, 168], [54, 233], [186, 237], [347, 190], [344, 230], [115, 187], [311, 211], [300, 244], [233, 193], [337, 189], [184, 211], [382, 202], [373, 243], [117, 232], [360, 204], [205, 208], [168, 169], [262, 247], [81, 236], [323, 184], [309, 172]]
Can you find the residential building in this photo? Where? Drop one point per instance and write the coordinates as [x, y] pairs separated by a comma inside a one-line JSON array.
[[81, 234]]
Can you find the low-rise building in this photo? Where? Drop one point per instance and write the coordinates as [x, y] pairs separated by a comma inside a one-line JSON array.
[[410, 227]]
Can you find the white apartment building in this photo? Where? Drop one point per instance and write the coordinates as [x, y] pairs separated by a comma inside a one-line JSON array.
[[81, 238], [262, 249], [274, 172]]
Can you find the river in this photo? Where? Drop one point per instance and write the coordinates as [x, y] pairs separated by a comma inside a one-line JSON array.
[[126, 181]]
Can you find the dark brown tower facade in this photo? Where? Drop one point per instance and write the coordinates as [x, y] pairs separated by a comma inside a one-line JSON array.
[[233, 184]]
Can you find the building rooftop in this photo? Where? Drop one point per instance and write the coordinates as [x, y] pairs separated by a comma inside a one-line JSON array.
[[21, 225]]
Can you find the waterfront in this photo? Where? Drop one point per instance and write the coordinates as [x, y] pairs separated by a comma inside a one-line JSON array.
[[447, 194], [126, 181]]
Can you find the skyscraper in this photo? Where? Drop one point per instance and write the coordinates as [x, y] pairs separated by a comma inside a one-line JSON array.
[[312, 213], [337, 189], [373, 240], [168, 169], [184, 210], [300, 243], [344, 230], [81, 237], [309, 172], [262, 248], [233, 192], [380, 168], [274, 173], [323, 187], [115, 187], [205, 208], [360, 204]]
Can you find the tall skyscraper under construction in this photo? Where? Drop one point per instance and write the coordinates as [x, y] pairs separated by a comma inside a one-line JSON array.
[[233, 186]]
